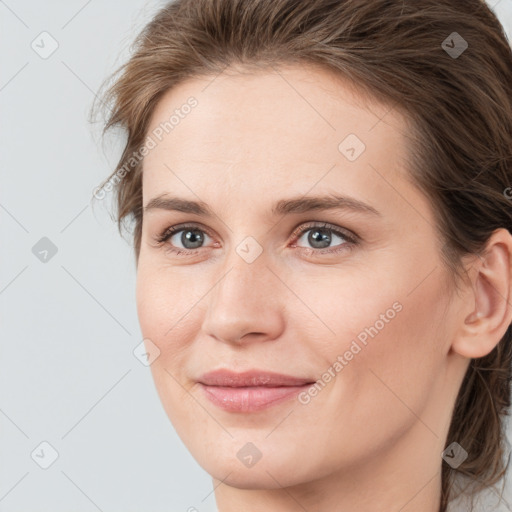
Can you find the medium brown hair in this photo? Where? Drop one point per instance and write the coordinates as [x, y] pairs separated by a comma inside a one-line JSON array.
[[460, 108]]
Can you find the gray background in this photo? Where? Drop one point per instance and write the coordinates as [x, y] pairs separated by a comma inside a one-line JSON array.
[[68, 375]]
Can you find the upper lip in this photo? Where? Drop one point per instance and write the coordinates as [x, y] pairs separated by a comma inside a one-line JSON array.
[[250, 378]]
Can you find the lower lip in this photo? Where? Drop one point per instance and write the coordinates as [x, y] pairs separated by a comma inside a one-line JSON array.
[[250, 399]]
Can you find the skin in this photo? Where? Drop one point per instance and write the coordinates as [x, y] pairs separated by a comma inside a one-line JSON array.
[[372, 438]]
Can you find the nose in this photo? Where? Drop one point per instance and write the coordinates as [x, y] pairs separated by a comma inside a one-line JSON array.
[[246, 304]]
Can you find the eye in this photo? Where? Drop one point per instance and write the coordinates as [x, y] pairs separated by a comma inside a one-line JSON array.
[[191, 237], [321, 236]]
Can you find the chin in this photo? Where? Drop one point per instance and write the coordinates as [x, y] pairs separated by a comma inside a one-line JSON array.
[[251, 478], [270, 472]]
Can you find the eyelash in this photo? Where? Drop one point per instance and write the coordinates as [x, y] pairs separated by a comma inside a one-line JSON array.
[[350, 238]]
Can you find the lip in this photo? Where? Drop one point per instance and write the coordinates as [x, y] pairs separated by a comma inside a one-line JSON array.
[[250, 391]]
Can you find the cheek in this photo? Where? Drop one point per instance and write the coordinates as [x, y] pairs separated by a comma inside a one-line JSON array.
[[164, 299], [392, 343], [162, 312], [166, 317], [391, 346], [155, 308]]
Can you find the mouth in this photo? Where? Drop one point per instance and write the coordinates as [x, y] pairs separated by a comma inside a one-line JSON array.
[[250, 391]]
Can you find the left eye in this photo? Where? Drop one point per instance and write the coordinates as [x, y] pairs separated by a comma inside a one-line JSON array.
[[321, 237]]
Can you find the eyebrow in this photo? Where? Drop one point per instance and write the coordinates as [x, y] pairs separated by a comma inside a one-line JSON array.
[[292, 205]]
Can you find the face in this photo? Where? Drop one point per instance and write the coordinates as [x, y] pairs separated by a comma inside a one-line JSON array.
[[311, 256]]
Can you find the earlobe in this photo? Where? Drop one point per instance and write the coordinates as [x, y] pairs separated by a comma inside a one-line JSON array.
[[489, 304]]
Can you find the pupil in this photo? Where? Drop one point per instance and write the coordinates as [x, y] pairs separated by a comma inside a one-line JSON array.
[[193, 237], [317, 237]]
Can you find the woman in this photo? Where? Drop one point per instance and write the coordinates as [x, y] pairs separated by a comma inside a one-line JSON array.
[[320, 197]]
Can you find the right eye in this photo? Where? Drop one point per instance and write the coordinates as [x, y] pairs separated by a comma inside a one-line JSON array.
[[190, 236]]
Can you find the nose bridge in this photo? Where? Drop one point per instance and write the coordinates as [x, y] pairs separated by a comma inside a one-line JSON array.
[[246, 274], [242, 301]]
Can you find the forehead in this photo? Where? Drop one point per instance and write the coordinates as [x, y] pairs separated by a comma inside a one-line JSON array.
[[283, 128]]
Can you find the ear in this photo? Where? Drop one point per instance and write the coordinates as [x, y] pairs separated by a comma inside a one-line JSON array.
[[487, 310]]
